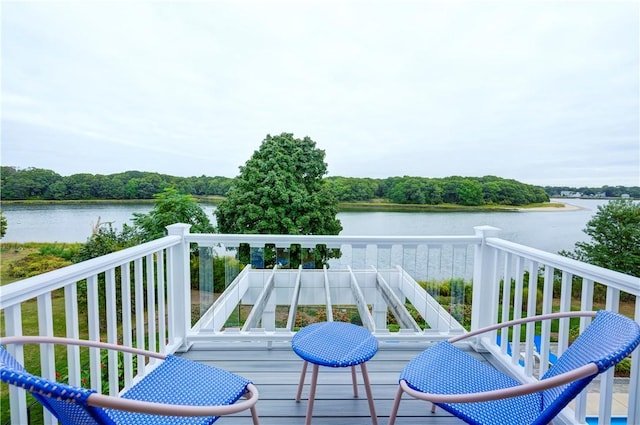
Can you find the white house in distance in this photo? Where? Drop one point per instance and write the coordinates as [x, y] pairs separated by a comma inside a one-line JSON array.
[[570, 194]]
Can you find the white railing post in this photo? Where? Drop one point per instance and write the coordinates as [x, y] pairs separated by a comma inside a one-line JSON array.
[[17, 396], [634, 378], [179, 286], [485, 285]]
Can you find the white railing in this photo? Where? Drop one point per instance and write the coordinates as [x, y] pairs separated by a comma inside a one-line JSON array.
[[286, 281], [134, 297], [375, 275], [541, 282]]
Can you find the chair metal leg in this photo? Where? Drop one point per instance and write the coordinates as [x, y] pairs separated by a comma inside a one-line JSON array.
[[254, 416], [367, 387], [301, 382], [254, 411], [396, 404], [355, 381], [312, 394]]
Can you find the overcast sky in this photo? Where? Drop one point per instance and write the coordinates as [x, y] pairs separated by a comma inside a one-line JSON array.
[[544, 92]]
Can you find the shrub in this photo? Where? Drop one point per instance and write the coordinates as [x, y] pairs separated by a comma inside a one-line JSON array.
[[623, 369], [64, 251], [35, 264]]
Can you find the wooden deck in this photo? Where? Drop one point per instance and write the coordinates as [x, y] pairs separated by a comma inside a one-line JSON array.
[[276, 372]]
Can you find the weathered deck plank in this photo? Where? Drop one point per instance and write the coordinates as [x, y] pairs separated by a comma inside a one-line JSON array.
[[276, 373]]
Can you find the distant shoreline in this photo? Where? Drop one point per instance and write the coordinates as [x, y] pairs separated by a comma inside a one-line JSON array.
[[372, 206]]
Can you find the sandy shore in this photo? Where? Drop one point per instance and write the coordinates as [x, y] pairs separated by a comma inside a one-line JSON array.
[[564, 207]]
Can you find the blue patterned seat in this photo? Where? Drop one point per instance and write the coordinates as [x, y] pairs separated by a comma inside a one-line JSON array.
[[479, 394], [178, 391], [335, 344]]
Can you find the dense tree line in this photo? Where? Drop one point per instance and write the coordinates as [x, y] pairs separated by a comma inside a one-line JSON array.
[[36, 183], [42, 184], [471, 191]]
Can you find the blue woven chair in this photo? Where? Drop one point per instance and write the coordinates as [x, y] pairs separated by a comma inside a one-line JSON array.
[[177, 391], [479, 394]]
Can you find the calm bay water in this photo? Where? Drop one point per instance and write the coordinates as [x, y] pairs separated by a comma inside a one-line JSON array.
[[547, 230]]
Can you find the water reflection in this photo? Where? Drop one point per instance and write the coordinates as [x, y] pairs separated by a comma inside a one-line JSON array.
[[547, 230]]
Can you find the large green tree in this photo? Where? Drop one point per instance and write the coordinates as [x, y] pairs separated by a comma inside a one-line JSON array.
[[615, 238], [171, 207], [280, 190]]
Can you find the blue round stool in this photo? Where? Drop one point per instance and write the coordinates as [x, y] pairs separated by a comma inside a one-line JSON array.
[[335, 344]]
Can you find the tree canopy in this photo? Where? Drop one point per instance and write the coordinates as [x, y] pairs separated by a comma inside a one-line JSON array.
[[615, 238], [468, 191], [106, 239], [41, 184], [280, 190], [3, 225], [171, 207]]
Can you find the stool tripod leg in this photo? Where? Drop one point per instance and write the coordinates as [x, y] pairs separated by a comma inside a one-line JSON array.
[[367, 387], [312, 394], [355, 381], [301, 382]]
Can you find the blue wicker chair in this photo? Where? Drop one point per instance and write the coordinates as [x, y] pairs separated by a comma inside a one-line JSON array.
[[177, 391], [479, 394]]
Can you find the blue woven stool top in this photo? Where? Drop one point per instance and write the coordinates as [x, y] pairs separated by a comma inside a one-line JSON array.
[[335, 344]]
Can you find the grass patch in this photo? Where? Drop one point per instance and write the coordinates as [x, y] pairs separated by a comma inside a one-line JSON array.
[[23, 260], [543, 205], [11, 253]]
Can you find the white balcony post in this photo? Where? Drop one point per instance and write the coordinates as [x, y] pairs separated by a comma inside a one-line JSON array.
[[17, 396], [634, 379], [179, 286], [484, 309]]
